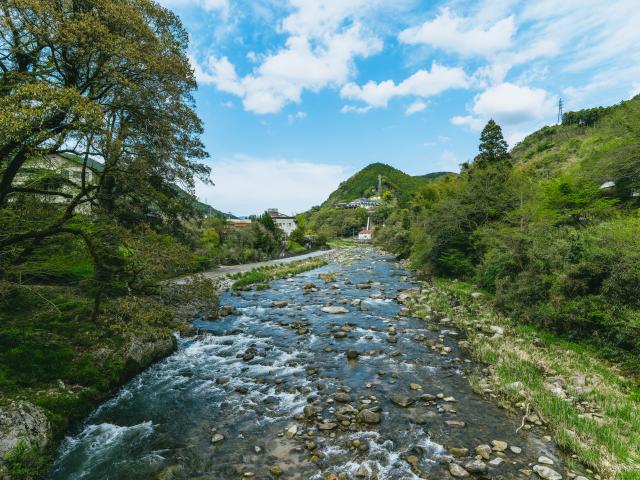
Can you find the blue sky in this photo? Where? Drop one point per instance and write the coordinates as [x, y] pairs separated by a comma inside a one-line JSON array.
[[297, 95]]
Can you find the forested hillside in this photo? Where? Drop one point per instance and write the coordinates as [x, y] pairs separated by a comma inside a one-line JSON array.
[[365, 183], [330, 220], [551, 228]]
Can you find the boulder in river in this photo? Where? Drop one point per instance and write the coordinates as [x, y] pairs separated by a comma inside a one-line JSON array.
[[476, 466], [546, 473], [352, 354], [457, 471], [369, 416], [334, 310], [401, 400], [279, 303], [484, 451]]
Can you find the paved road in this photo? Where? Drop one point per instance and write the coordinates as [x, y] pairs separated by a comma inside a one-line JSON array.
[[246, 267]]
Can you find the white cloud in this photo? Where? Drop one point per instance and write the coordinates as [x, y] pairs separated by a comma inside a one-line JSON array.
[[461, 35], [354, 109], [246, 185], [508, 104], [324, 39], [415, 107], [635, 90], [470, 121], [422, 84], [292, 117]]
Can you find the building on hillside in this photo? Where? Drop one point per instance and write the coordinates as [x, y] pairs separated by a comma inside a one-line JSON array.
[[59, 173], [366, 203], [285, 222], [365, 235]]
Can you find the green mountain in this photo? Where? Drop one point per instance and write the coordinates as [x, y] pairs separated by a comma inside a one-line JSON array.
[[365, 183]]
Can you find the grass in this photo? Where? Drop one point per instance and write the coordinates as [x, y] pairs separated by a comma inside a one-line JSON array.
[[264, 275], [600, 425]]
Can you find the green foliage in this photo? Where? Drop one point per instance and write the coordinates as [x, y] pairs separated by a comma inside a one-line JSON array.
[[560, 252], [25, 462], [294, 247]]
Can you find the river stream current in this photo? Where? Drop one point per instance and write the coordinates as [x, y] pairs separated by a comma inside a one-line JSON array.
[[230, 402]]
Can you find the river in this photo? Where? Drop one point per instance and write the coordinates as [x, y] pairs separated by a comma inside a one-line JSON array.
[[230, 402]]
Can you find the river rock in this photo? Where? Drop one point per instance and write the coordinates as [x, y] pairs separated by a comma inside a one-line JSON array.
[[546, 473], [292, 430], [401, 400], [352, 354], [279, 304], [515, 449], [545, 460], [484, 451], [369, 416], [455, 423], [217, 438], [327, 426], [22, 421], [334, 310], [476, 466], [342, 397], [457, 471], [311, 410], [339, 334], [499, 445], [363, 286], [362, 472], [496, 462], [459, 452], [276, 470]]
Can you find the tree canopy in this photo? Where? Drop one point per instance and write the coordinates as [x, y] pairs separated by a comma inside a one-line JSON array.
[[109, 82]]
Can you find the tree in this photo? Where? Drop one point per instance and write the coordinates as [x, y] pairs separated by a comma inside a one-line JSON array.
[[493, 147], [108, 81]]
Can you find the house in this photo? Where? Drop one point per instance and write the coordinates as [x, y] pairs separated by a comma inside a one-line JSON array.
[[285, 222], [365, 235], [63, 173]]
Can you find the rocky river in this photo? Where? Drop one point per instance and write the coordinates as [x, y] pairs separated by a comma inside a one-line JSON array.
[[323, 376]]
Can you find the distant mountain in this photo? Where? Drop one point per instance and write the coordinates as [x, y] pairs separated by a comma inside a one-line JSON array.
[[365, 183]]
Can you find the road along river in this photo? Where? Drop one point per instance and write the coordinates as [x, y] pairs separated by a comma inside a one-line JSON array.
[[315, 378]]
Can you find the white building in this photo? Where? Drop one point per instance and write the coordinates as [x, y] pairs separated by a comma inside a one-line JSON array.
[[285, 222], [365, 235]]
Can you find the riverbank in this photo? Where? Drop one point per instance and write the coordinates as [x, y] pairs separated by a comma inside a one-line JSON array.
[[58, 366], [589, 406]]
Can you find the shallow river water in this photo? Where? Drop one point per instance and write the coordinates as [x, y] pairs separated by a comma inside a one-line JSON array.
[[248, 377]]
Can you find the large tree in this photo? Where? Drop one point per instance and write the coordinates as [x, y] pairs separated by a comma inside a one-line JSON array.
[[493, 147], [108, 81]]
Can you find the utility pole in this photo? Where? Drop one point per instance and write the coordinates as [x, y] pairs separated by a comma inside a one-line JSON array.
[[560, 111]]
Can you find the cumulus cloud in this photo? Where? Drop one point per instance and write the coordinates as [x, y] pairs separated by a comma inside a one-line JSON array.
[[415, 107], [423, 83], [246, 185], [508, 104], [461, 35], [324, 38], [635, 90], [355, 109]]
